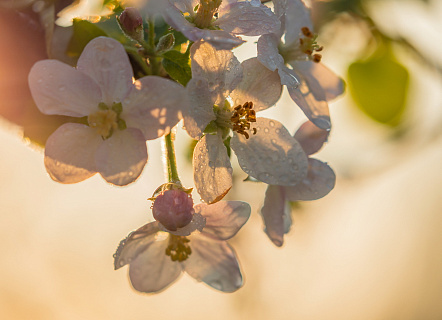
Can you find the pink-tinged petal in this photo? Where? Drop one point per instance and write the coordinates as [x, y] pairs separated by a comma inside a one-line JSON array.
[[155, 106], [268, 53], [249, 20], [220, 39], [152, 270], [319, 182], [212, 171], [320, 79], [200, 111], [297, 16], [220, 68], [121, 158], [184, 5], [288, 77], [311, 137], [315, 110], [215, 263], [105, 61], [70, 153], [259, 85], [272, 155], [224, 218], [136, 242], [276, 214], [60, 89]]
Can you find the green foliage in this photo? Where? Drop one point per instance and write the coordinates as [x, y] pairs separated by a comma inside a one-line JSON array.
[[177, 66], [379, 86], [84, 31]]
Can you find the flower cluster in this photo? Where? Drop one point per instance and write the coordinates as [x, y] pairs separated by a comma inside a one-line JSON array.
[[122, 94]]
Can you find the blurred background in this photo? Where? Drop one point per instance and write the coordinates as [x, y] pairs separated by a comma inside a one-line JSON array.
[[371, 249]]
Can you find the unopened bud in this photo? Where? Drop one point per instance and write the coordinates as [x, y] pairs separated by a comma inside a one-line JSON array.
[[131, 23], [173, 209], [165, 43]]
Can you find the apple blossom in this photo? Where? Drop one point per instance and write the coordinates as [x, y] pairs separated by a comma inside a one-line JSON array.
[[121, 114]]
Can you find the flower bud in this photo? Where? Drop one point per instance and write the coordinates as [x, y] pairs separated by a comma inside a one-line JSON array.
[[131, 23], [165, 43], [173, 209]]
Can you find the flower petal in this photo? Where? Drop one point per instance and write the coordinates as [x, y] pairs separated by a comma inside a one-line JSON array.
[[105, 61], [152, 270], [297, 16], [319, 182], [311, 137], [220, 68], [315, 110], [57, 88], [259, 85], [276, 214], [268, 53], [154, 106], [215, 263], [70, 153], [135, 243], [200, 111], [220, 39], [244, 18], [212, 171], [224, 218], [272, 155], [121, 158], [321, 80]]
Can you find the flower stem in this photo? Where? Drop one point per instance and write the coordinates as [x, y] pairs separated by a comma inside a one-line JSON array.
[[169, 154]]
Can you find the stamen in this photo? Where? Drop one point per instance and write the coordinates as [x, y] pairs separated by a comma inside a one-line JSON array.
[[104, 121], [178, 248], [242, 118], [309, 46]]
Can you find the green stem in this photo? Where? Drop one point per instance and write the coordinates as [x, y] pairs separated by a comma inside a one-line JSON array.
[[171, 158], [139, 59]]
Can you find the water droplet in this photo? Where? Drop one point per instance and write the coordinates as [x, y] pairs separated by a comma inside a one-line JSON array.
[[121, 263], [266, 130], [61, 88], [277, 130], [40, 80], [272, 123], [273, 141], [211, 164]]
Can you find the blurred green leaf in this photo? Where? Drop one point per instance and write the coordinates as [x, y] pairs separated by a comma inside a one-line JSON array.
[[379, 86], [177, 66], [84, 31]]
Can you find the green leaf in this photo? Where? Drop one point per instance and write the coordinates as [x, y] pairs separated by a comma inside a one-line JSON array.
[[379, 87], [84, 31], [177, 66]]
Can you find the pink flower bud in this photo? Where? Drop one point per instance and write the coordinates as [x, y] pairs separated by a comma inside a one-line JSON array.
[[131, 23], [173, 209]]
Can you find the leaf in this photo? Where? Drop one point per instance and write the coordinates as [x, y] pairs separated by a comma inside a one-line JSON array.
[[379, 87], [177, 66], [84, 31]]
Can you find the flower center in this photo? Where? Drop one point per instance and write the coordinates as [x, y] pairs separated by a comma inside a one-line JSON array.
[[306, 49], [242, 118], [205, 13], [106, 120], [178, 248]]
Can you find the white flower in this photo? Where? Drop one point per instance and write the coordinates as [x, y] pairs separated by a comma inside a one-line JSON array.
[[121, 114], [264, 147], [310, 83], [320, 180], [233, 18], [155, 261]]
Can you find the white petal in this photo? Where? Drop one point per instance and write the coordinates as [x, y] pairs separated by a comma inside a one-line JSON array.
[[220, 68], [319, 182], [315, 110], [135, 243], [224, 218], [276, 214], [272, 155], [215, 263], [60, 89], [152, 270], [212, 171], [320, 79], [200, 111], [297, 16], [105, 61], [311, 137], [244, 18], [220, 39], [154, 106], [121, 158], [259, 85], [268, 53], [70, 153]]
